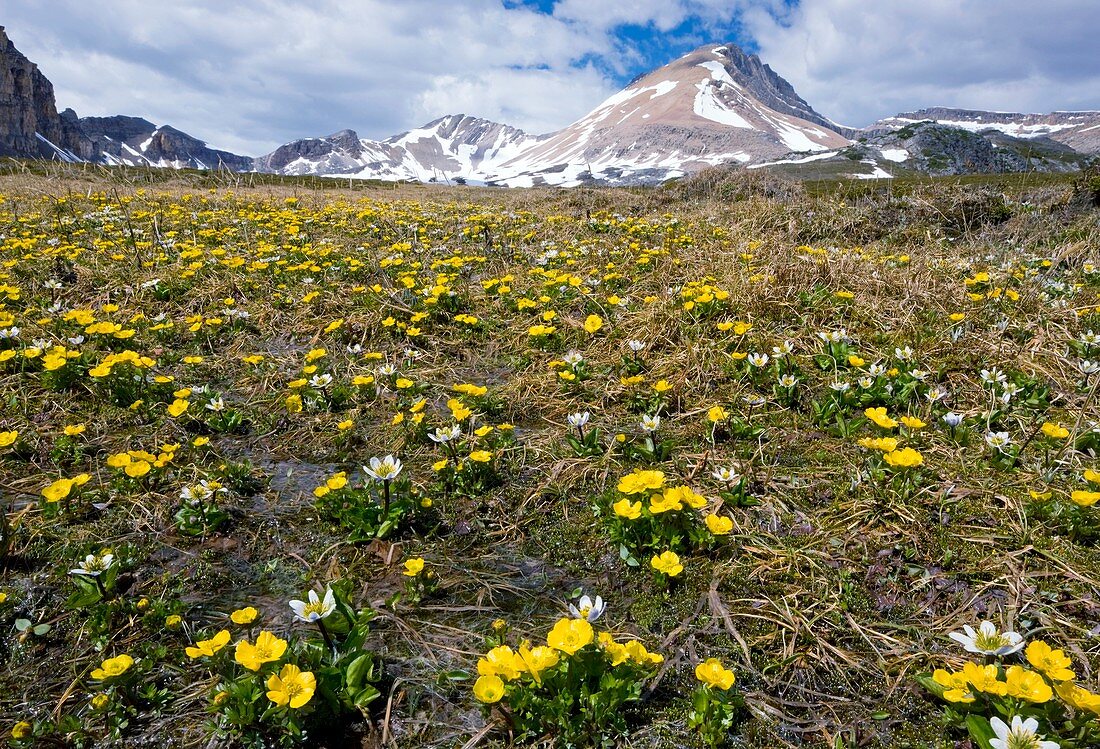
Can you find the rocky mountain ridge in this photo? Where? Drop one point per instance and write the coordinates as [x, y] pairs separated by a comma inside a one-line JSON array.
[[715, 105]]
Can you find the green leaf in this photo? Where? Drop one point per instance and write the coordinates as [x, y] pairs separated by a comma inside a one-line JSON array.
[[22, 624], [925, 680], [360, 671], [980, 730], [41, 629]]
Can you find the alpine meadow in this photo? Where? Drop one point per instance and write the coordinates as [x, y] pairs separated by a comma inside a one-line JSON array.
[[702, 421]]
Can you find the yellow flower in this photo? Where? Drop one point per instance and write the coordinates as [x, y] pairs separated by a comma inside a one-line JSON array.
[[712, 673], [344, 426], [907, 457], [661, 386], [293, 403], [172, 621], [856, 361], [1027, 685], [1055, 431], [669, 500], [1077, 697], [113, 667], [247, 615], [667, 562], [641, 481], [912, 422], [878, 415], [501, 661], [137, 468], [58, 490], [537, 659], [984, 679], [687, 496], [717, 413], [481, 456], [291, 686], [8, 438], [268, 648], [1054, 663], [1085, 498], [570, 635], [1093, 477], [72, 430], [489, 689], [593, 323], [957, 688], [413, 567], [624, 508], [178, 406], [204, 648], [21, 730], [885, 444], [719, 525]]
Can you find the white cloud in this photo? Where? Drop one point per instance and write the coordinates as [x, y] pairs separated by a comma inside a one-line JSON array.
[[859, 61], [528, 99], [250, 75]]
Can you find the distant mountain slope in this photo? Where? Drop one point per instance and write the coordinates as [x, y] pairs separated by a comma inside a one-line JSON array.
[[1078, 130], [712, 106], [137, 142], [452, 147]]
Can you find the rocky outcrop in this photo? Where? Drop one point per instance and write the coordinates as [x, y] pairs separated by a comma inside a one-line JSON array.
[[1077, 130], [137, 142], [28, 113], [30, 127]]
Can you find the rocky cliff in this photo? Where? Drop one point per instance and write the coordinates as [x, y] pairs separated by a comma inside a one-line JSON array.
[[29, 123]]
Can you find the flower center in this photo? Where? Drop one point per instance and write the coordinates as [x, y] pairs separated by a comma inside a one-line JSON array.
[[317, 608], [1022, 740], [995, 641]]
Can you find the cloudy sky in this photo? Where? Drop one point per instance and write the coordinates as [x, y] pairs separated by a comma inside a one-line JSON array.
[[249, 75]]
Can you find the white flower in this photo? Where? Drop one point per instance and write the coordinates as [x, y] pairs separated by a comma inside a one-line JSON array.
[[578, 420], [782, 349], [1087, 367], [726, 475], [1022, 734], [987, 640], [386, 370], [876, 370], [216, 404], [383, 469], [320, 381], [903, 354], [635, 346], [788, 381], [587, 609], [840, 387], [354, 348], [650, 423], [998, 440], [865, 382], [992, 376], [758, 360], [1090, 338], [952, 419], [572, 358], [94, 565], [935, 394], [445, 434], [754, 400], [316, 608]]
